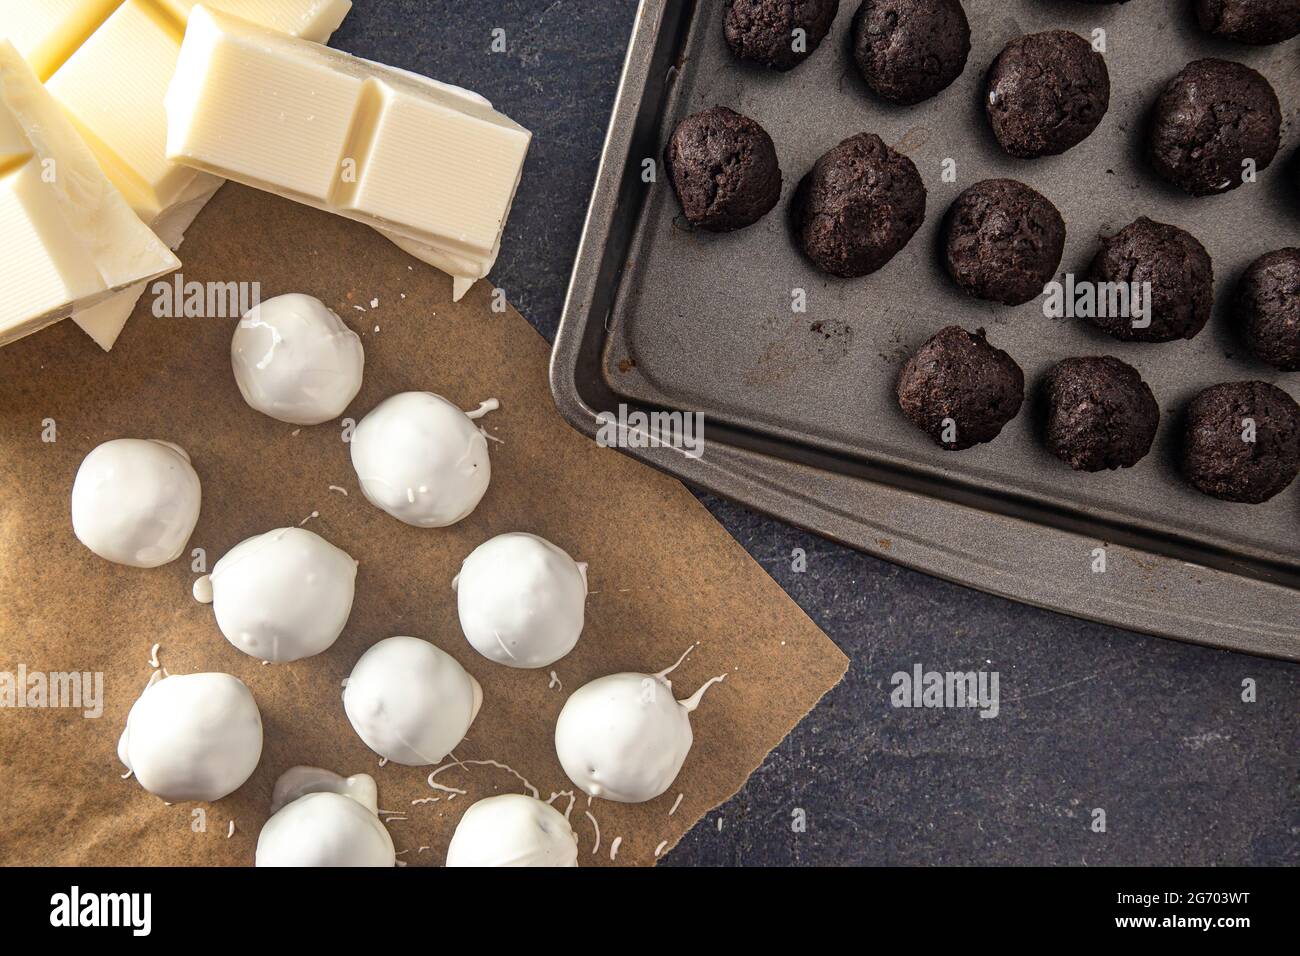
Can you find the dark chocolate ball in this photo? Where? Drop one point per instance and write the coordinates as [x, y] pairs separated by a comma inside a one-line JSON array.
[[1046, 92], [1100, 414], [1241, 441], [909, 50], [778, 34], [1209, 120], [858, 206], [1257, 22], [960, 390], [723, 168], [1003, 241], [1267, 308], [1178, 271]]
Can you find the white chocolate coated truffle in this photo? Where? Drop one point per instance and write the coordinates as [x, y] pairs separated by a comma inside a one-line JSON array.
[[521, 600], [283, 595], [410, 701], [192, 736], [421, 459], [513, 830], [295, 360], [319, 818], [624, 737], [135, 501]]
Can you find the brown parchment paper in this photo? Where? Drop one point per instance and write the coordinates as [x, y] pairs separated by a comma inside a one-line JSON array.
[[663, 573]]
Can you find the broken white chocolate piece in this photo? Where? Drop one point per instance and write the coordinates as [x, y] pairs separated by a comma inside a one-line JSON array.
[[433, 166], [70, 238], [108, 63]]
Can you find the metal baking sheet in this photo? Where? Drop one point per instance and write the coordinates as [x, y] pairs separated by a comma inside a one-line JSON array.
[[660, 316]]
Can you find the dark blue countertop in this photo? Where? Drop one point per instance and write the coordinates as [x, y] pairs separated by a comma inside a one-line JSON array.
[[1153, 732]]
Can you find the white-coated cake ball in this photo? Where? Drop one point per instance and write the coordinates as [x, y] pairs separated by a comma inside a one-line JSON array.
[[624, 737], [324, 829], [513, 830], [295, 360], [135, 501], [421, 459], [410, 701], [521, 600], [192, 736], [319, 818], [283, 595]]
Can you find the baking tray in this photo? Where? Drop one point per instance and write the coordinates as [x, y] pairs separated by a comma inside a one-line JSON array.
[[800, 417]]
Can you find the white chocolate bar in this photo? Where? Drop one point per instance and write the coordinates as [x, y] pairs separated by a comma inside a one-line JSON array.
[[108, 63], [433, 166], [70, 238]]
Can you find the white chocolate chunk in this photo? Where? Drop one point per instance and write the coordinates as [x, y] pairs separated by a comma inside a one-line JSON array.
[[430, 164], [70, 238], [108, 63]]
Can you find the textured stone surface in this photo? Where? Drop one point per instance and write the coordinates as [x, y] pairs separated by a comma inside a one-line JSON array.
[[1152, 731]]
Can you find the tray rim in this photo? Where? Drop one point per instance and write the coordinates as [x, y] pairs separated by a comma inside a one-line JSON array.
[[736, 469]]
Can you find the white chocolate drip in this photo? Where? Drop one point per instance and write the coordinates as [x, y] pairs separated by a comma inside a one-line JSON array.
[[490, 405]]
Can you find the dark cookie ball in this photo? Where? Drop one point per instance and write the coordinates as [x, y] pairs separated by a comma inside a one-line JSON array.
[[1100, 414], [1257, 22], [1212, 117], [1180, 275], [858, 206], [723, 168], [1218, 458], [909, 50], [1046, 92], [764, 30], [1267, 308], [960, 390], [1003, 241]]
